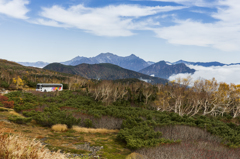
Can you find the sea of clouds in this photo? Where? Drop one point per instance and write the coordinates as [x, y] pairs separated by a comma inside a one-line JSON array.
[[228, 74]]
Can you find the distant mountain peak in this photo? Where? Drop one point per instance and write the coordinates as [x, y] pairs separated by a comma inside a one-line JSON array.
[[132, 55], [181, 61], [131, 62], [106, 54], [162, 63], [163, 70]]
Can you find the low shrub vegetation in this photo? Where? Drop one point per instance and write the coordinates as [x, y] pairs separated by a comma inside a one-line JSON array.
[[19, 120], [138, 123], [3, 109], [141, 136], [88, 123]]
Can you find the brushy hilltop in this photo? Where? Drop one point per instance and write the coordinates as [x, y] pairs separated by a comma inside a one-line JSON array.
[[153, 120], [15, 76]]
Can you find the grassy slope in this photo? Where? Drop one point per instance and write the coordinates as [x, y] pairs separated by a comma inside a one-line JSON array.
[[114, 149], [67, 141]]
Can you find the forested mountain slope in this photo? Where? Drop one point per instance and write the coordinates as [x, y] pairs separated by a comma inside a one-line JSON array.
[[103, 71]]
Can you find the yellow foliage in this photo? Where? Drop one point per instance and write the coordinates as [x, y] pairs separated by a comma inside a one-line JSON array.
[[18, 81]]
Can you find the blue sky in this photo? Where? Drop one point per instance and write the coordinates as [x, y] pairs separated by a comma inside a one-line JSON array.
[[59, 30]]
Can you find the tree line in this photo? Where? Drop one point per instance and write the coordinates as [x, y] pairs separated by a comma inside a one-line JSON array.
[[181, 96]]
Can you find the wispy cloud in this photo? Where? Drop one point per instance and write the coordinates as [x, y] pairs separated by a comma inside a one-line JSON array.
[[223, 34], [199, 3], [228, 74], [112, 20], [14, 8]]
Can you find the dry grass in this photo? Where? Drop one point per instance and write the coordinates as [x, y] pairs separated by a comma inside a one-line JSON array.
[[59, 127], [91, 130], [19, 147], [135, 155]]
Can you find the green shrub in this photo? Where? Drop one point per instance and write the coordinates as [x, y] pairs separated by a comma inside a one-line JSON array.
[[19, 120], [88, 123], [65, 86], [31, 84], [2, 109], [141, 136], [50, 118], [4, 84], [131, 122]]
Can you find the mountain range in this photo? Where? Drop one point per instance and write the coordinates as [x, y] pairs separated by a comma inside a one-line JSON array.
[[104, 71], [163, 70], [131, 62]]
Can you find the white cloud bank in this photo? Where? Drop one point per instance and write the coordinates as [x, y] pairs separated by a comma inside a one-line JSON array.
[[228, 74], [14, 8], [224, 34], [123, 20], [112, 20]]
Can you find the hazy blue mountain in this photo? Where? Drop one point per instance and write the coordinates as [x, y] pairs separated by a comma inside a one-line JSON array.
[[205, 64], [38, 64], [131, 62], [234, 64], [163, 70], [73, 60], [150, 63]]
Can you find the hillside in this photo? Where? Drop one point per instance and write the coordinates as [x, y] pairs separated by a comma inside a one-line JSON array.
[[103, 71], [88, 131], [16, 76], [163, 70]]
